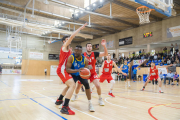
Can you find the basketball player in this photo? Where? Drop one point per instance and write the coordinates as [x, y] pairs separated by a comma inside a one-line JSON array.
[[64, 76], [153, 75], [106, 73], [74, 63], [125, 69], [91, 56]]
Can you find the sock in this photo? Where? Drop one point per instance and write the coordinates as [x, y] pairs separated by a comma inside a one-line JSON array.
[[159, 88], [89, 101], [99, 96], [60, 97], [144, 87], [128, 82], [110, 91], [76, 94], [66, 103]]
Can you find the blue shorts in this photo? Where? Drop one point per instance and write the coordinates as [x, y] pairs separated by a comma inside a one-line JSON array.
[[126, 77], [76, 78]]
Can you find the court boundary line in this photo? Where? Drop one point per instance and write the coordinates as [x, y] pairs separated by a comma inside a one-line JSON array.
[[71, 107]]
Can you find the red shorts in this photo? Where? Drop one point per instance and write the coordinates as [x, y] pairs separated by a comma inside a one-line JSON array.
[[64, 77], [154, 77], [106, 77], [93, 77]]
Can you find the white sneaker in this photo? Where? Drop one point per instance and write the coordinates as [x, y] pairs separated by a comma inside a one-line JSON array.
[[101, 103], [129, 85], [91, 108], [74, 98]]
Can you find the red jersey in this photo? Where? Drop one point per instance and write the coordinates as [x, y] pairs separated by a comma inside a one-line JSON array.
[[107, 69], [154, 71], [92, 61], [63, 61]]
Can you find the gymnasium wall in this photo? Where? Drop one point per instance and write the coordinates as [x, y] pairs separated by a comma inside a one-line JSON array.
[[159, 30]]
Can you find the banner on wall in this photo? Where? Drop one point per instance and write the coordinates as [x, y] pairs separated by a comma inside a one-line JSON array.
[[125, 41], [95, 47], [173, 32], [11, 71], [163, 70], [110, 44], [36, 55], [53, 70], [138, 62]]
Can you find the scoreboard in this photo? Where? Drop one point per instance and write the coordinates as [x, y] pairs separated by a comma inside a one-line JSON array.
[[149, 34]]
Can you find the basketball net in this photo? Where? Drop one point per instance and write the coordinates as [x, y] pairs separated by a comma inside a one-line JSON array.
[[143, 13]]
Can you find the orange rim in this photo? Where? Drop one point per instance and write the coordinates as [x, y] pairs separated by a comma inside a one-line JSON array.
[[143, 11]]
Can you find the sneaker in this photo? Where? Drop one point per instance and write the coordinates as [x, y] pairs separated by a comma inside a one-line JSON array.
[[142, 89], [160, 91], [67, 110], [74, 98], [101, 103], [168, 84], [91, 108], [172, 84], [58, 102], [110, 94]]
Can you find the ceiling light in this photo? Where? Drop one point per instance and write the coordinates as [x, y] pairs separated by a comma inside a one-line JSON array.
[[88, 8], [101, 0], [62, 22], [94, 4], [81, 11], [76, 14]]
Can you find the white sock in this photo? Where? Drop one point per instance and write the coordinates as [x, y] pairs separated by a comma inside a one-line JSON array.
[[76, 94], [159, 88], [99, 96], [128, 82], [110, 91], [89, 101]]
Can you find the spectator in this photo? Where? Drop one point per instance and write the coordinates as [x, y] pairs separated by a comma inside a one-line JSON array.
[[169, 77], [176, 48], [171, 49], [159, 57], [146, 57], [140, 52], [133, 53], [176, 77], [143, 52], [174, 64], [45, 71], [172, 61], [135, 74], [168, 61], [0, 69], [177, 63], [155, 57], [142, 57]]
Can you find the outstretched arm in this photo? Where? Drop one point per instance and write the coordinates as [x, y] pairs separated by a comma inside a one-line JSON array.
[[73, 35], [119, 70], [105, 53], [69, 65]]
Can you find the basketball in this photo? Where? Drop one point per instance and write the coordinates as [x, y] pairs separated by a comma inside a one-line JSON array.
[[85, 73]]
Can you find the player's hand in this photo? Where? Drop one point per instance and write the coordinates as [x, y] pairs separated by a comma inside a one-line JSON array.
[[89, 67], [82, 27], [124, 74], [103, 42]]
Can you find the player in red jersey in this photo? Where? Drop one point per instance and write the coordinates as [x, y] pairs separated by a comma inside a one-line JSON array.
[[153, 75], [64, 76], [106, 73], [91, 56]]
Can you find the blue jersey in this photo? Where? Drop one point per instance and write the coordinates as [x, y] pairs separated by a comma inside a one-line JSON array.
[[125, 68], [77, 64]]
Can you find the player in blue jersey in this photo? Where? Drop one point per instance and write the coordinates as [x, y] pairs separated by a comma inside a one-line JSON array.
[[75, 63], [125, 69]]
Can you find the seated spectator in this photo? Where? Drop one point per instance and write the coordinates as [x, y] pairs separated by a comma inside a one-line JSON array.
[[177, 63], [140, 52], [155, 57], [168, 61], [172, 60], [169, 77], [146, 57], [174, 64], [171, 49], [142, 57], [176, 77], [135, 74], [159, 57], [176, 48], [151, 57]]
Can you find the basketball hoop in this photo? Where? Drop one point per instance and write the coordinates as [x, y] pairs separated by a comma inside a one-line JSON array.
[[143, 13]]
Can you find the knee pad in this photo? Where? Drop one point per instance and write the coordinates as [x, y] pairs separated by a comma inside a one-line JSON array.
[[86, 84]]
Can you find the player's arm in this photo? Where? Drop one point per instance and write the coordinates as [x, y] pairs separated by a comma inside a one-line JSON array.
[[164, 66], [105, 53], [119, 70], [67, 43], [121, 67], [69, 65], [86, 63], [102, 68]]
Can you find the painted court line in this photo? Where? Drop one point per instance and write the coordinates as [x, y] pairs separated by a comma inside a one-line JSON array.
[[114, 104], [71, 107]]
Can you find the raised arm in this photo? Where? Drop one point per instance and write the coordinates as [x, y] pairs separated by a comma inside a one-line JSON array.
[[73, 35], [105, 53], [119, 69], [69, 64]]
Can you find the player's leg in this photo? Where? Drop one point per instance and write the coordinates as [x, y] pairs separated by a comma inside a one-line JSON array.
[[128, 80], [88, 93], [78, 87], [92, 88], [112, 82], [160, 85], [65, 108], [177, 81], [148, 80], [60, 99], [97, 85]]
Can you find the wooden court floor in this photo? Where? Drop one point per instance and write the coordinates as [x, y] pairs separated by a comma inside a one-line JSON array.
[[32, 98]]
